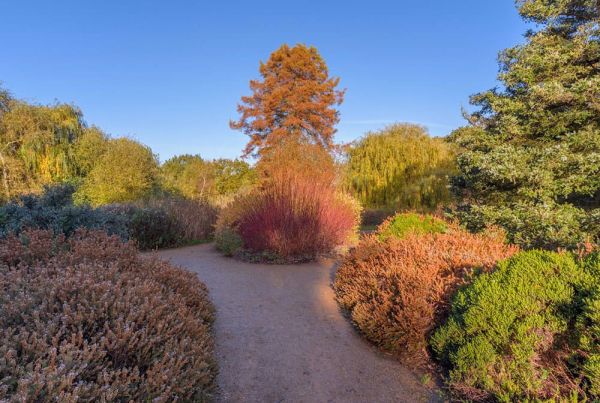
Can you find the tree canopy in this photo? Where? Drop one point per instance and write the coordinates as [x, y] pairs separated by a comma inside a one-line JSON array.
[[400, 167], [127, 171], [36, 144], [195, 178], [530, 157], [295, 98]]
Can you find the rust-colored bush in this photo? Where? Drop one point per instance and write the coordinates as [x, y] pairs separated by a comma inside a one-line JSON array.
[[194, 219], [396, 291], [89, 319]]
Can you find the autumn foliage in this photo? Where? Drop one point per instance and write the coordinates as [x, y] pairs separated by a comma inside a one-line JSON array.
[[397, 290], [295, 99], [89, 319], [296, 213], [296, 219]]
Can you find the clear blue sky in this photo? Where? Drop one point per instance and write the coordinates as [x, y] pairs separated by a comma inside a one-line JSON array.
[[170, 73]]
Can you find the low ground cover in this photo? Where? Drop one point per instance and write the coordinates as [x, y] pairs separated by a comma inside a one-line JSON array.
[[527, 331], [87, 318], [156, 223], [397, 289]]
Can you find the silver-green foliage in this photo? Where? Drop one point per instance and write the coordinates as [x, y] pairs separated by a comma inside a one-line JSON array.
[[530, 159]]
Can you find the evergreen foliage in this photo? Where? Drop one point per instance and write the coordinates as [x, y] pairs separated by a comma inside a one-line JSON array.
[[512, 336], [530, 159], [404, 224]]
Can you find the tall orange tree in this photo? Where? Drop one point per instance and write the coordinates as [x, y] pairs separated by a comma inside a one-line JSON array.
[[296, 100]]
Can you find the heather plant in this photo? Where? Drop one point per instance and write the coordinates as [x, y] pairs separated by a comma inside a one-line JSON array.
[[89, 319], [527, 331], [403, 224], [397, 290]]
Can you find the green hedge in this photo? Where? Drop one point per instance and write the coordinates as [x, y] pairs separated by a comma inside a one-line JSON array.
[[528, 330]]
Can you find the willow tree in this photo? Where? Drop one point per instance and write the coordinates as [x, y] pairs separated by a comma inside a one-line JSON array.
[[295, 99], [400, 167], [89, 148], [36, 145], [530, 158]]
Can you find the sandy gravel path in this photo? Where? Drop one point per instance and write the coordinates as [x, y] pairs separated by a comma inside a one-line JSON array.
[[282, 338]]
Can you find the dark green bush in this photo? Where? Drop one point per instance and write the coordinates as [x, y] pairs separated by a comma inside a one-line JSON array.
[[374, 217], [511, 333], [54, 210], [400, 225], [153, 228]]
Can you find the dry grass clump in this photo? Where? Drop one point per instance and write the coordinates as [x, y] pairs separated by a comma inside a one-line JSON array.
[[398, 290], [89, 319], [194, 219]]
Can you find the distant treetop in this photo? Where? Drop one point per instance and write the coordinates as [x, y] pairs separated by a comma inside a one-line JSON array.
[[295, 98]]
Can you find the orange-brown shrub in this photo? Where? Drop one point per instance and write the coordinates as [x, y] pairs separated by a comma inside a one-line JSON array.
[[194, 219], [397, 290], [89, 319]]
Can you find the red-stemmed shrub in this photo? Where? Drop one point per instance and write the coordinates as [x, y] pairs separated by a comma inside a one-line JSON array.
[[297, 219], [296, 211], [397, 290], [89, 319]]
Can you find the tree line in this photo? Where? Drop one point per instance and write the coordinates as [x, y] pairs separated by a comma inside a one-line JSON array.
[[528, 159], [41, 145]]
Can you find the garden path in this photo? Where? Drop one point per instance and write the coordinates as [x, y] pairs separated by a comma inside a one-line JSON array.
[[280, 336]]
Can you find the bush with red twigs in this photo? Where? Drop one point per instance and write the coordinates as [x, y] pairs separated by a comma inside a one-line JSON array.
[[296, 212]]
